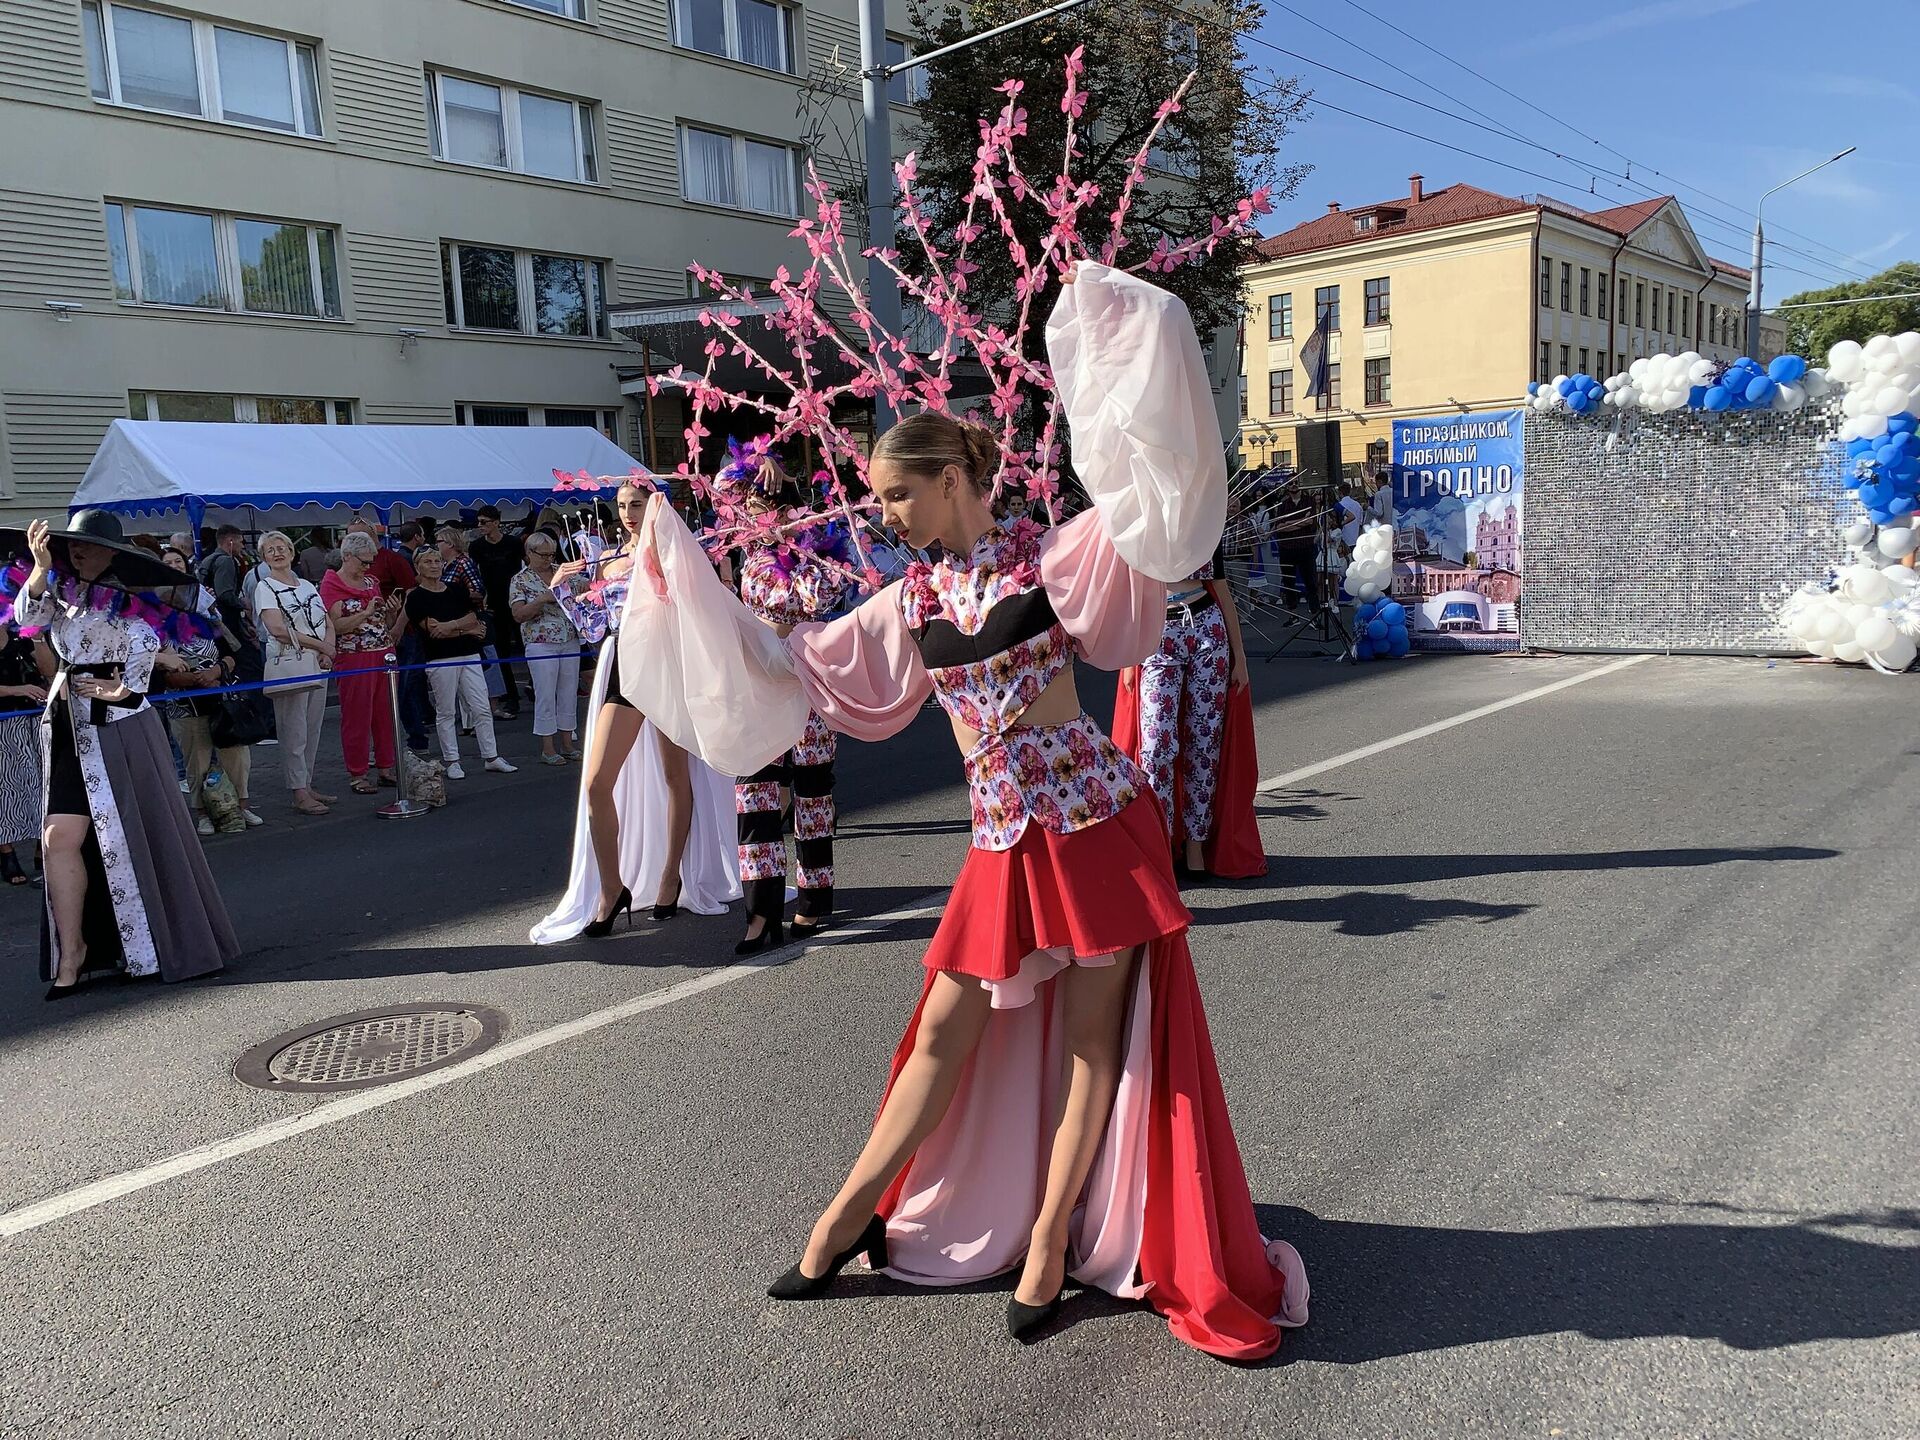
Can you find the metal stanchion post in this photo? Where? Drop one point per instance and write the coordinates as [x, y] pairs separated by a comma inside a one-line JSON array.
[[404, 807]]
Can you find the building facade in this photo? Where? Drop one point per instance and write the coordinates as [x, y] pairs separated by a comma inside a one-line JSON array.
[[1451, 301], [365, 212]]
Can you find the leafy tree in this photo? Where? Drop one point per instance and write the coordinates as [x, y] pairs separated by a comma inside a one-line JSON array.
[[1223, 144], [1814, 332]]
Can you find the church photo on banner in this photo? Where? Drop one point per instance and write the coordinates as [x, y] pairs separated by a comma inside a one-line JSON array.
[[1457, 529]]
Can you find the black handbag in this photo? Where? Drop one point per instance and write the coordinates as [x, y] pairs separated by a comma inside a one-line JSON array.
[[244, 719]]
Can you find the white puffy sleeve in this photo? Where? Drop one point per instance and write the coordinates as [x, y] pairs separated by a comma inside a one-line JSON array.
[[699, 664], [1139, 408]]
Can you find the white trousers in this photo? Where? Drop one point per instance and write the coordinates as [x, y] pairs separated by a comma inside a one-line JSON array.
[[455, 688], [299, 715], [555, 671]]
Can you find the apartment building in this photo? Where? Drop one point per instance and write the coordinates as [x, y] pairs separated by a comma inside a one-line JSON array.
[[370, 212], [1452, 300]]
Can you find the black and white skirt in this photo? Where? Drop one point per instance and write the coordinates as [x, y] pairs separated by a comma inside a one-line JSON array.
[[20, 775]]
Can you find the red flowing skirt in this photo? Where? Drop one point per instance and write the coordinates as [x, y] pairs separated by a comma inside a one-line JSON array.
[[1234, 849]]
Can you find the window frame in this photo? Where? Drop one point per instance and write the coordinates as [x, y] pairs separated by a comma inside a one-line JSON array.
[[1600, 294], [1328, 309], [1378, 303], [731, 25], [98, 14], [526, 300], [1566, 359], [740, 141], [608, 424], [575, 9], [1280, 317], [1546, 282], [246, 408], [915, 83], [1566, 287], [1329, 399], [1378, 381], [586, 142], [227, 263], [1586, 359], [1281, 379], [1546, 362], [1586, 290]]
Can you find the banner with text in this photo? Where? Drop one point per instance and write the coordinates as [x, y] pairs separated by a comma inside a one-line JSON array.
[[1456, 516]]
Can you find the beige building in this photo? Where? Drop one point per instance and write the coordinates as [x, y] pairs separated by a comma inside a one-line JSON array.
[[366, 211], [1452, 300]]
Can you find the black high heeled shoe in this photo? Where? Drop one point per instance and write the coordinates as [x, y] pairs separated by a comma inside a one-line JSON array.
[[1024, 1322], [672, 907], [795, 1286], [771, 937], [63, 992], [600, 929]]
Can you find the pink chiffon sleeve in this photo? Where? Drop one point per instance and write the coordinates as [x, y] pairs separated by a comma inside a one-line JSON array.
[[1114, 612], [862, 673]]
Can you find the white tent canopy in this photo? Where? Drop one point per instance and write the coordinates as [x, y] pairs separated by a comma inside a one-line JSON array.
[[259, 476]]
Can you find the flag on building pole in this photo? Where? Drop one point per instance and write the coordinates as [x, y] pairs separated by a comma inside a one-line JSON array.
[[1313, 357]]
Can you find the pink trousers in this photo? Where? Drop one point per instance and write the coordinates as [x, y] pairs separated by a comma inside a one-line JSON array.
[[366, 711]]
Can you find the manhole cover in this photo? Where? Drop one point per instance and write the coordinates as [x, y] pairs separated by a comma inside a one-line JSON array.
[[371, 1047]]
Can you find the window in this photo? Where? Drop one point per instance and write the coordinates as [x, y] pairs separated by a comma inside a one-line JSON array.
[[1280, 391], [1546, 363], [523, 293], [1620, 362], [1546, 283], [1331, 399], [1566, 359], [1379, 455], [151, 61], [1586, 291], [607, 422], [909, 88], [1379, 382], [1621, 311], [1280, 317], [750, 31], [1585, 357], [1700, 319], [1669, 312], [1640, 303], [1243, 398], [570, 9], [244, 409], [1379, 302], [1653, 310], [721, 169], [1600, 294], [223, 262], [1362, 224], [1686, 317], [1566, 286], [478, 123], [1326, 307]]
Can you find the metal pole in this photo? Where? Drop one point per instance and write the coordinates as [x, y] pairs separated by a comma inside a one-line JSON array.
[[883, 294], [646, 403], [1759, 245], [404, 806]]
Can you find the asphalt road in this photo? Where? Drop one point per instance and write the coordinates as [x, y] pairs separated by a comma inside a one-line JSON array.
[[1572, 1045]]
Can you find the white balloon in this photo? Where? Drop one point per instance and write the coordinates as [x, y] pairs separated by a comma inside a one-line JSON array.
[[1858, 533], [1896, 543], [1844, 360], [1821, 648], [1832, 626], [1789, 397], [1871, 427], [1868, 586], [1637, 370], [1908, 344], [1817, 385], [1849, 652], [1897, 653], [1889, 401], [1901, 577], [1876, 632], [1881, 353]]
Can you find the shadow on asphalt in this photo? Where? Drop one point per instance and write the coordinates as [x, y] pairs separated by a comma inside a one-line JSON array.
[[1305, 871], [1298, 804], [1410, 1289], [1364, 912]]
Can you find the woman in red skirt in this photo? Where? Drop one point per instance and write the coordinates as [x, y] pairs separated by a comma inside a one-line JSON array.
[[1054, 1106]]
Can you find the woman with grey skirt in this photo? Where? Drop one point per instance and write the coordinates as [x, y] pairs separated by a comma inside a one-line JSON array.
[[22, 692], [128, 890]]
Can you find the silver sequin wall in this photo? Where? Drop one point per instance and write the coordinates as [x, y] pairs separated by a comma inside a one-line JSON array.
[[1687, 535]]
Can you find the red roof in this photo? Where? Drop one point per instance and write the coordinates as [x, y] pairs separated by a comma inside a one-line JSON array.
[[1624, 219], [1455, 205]]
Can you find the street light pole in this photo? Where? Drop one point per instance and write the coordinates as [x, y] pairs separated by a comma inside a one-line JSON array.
[[1760, 246], [883, 292]]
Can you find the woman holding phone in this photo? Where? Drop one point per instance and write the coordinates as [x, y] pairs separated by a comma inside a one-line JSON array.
[[118, 846], [363, 626]]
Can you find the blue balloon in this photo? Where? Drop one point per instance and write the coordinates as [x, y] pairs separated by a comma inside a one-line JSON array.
[[1697, 396], [1377, 630], [1718, 397], [1533, 387], [1874, 494], [1760, 390], [1886, 456], [1564, 387], [1903, 425], [1394, 613], [1362, 650], [1902, 443], [1787, 369], [1399, 644], [1880, 516], [1857, 448]]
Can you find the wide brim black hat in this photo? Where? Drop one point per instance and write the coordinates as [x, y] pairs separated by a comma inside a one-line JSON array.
[[130, 569]]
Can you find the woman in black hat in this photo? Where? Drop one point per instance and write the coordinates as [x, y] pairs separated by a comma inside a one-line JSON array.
[[127, 887]]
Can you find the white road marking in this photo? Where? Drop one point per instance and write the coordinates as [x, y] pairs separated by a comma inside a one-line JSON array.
[[1307, 772], [332, 1112]]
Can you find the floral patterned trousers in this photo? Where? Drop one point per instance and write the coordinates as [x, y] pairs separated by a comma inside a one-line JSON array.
[[1183, 707], [808, 770]]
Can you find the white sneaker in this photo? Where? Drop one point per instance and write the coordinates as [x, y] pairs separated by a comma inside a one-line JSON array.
[[251, 818], [454, 772], [203, 826], [500, 765]]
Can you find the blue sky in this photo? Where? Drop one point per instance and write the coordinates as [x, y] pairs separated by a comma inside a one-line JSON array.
[[1661, 81]]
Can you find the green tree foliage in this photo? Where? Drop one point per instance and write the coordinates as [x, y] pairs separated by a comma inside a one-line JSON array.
[[1225, 143], [1814, 332]]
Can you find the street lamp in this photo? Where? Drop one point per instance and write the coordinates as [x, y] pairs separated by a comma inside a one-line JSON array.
[[1760, 244]]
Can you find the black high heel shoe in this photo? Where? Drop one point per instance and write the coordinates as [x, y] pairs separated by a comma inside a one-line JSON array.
[[795, 1286], [600, 929], [771, 937], [63, 992], [672, 907], [1024, 1322]]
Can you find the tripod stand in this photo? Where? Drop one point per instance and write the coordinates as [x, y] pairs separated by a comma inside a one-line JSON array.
[[1322, 622]]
